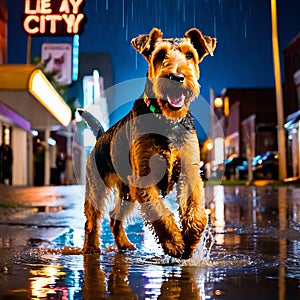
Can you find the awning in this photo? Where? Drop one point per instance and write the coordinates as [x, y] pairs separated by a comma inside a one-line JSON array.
[[25, 90], [292, 119]]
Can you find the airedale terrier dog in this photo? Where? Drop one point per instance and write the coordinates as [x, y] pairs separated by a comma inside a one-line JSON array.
[[152, 150]]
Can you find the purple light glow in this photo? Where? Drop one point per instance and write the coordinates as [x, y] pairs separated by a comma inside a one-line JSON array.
[[14, 117]]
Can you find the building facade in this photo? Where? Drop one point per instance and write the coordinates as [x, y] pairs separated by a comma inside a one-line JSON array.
[[250, 127], [28, 103], [250, 124], [292, 105]]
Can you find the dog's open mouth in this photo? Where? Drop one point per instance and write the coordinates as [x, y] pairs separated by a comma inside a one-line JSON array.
[[176, 101], [175, 94]]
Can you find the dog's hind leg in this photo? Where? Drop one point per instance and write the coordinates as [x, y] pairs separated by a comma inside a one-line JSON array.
[[95, 196], [92, 229], [120, 212]]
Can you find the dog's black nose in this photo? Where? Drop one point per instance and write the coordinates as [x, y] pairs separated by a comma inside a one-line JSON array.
[[177, 77]]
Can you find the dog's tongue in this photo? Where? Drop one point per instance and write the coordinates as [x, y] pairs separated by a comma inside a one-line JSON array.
[[176, 101]]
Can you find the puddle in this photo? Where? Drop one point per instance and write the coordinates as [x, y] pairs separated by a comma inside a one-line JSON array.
[[145, 274], [251, 251]]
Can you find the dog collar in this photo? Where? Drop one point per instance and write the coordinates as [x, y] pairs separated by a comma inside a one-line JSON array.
[[151, 107], [156, 111]]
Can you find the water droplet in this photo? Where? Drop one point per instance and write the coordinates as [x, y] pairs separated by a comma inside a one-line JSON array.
[[123, 13], [183, 11], [136, 58], [221, 7], [126, 29], [194, 14], [215, 26], [132, 15]]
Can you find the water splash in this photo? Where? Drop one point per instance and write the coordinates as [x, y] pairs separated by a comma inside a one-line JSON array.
[[203, 251], [206, 243]]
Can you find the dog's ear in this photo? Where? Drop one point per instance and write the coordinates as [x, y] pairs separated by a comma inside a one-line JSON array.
[[203, 44], [145, 43]]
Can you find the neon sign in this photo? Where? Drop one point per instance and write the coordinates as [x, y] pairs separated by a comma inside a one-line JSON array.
[[53, 17]]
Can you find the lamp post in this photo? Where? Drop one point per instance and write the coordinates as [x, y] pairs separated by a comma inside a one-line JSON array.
[[279, 105], [211, 129], [222, 104], [219, 111]]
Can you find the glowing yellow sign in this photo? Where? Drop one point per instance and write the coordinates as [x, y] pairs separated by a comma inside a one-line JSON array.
[[53, 16]]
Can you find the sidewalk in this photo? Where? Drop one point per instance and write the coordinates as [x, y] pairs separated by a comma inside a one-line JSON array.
[[30, 216]]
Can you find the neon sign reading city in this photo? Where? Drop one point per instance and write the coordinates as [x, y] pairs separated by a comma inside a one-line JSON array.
[[62, 17]]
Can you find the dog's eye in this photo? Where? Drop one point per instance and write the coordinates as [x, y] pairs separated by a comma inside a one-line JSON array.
[[189, 55]]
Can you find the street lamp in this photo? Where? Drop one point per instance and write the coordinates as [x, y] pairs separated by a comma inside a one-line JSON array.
[[222, 103], [218, 102], [215, 142], [209, 145]]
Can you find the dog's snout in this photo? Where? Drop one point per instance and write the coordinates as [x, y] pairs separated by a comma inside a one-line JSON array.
[[177, 77]]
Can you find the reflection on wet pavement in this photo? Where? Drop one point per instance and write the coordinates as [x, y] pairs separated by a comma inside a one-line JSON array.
[[255, 254]]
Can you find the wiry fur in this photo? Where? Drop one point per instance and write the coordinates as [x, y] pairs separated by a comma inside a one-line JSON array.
[[170, 144]]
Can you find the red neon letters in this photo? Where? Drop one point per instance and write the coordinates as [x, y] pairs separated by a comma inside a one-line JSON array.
[[53, 16]]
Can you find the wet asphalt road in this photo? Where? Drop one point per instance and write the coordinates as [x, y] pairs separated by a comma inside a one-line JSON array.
[[256, 253]]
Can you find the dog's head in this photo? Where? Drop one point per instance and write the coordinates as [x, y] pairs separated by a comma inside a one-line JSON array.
[[173, 67]]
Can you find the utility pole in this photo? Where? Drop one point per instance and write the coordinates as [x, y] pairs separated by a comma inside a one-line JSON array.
[[279, 99]]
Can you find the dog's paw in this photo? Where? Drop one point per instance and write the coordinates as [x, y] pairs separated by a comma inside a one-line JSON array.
[[187, 254], [91, 250], [190, 247], [128, 246], [173, 249]]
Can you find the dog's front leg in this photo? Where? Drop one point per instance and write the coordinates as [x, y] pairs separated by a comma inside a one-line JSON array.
[[160, 220], [190, 197], [148, 168], [192, 213]]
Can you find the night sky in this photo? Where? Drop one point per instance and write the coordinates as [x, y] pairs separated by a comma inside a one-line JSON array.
[[243, 57]]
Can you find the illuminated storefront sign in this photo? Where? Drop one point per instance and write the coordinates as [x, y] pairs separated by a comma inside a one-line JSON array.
[[57, 58], [53, 17]]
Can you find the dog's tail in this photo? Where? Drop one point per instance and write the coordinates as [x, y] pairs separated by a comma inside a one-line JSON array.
[[92, 122]]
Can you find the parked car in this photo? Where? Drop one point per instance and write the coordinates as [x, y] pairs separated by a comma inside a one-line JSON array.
[[265, 165], [235, 166]]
